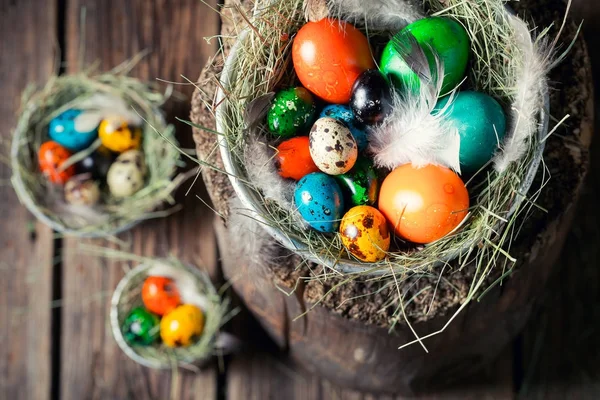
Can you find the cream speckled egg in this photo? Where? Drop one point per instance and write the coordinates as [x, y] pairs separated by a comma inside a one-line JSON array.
[[332, 146], [126, 175]]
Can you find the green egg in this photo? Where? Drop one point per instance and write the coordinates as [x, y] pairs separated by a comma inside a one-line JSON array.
[[292, 111], [361, 184], [481, 124], [141, 327], [444, 36]]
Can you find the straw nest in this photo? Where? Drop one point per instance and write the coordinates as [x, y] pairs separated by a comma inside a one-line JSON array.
[[127, 296], [261, 61], [45, 200]]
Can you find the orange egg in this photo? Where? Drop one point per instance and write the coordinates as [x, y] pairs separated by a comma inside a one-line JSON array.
[[328, 56], [293, 158], [423, 204], [51, 157], [160, 295]]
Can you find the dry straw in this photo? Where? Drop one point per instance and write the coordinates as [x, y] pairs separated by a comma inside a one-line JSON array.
[[44, 200]]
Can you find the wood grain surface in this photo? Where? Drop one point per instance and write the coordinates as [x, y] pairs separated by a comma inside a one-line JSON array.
[[64, 349], [26, 246]]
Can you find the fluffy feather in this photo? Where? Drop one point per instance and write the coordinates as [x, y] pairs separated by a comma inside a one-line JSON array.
[[412, 133], [388, 15], [260, 165], [185, 283], [101, 105], [531, 87]]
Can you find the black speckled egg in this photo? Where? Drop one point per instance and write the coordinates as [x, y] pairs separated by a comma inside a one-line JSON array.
[[371, 99], [96, 163]]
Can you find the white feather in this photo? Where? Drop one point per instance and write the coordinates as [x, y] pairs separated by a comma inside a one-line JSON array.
[[530, 88], [388, 15], [260, 164], [185, 283], [412, 133], [100, 105]]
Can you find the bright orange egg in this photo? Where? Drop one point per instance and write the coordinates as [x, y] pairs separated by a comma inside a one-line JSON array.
[[328, 56], [423, 204], [293, 158]]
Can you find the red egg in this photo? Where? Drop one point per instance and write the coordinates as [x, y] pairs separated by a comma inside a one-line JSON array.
[[160, 295], [328, 56], [51, 157], [293, 158], [423, 204]]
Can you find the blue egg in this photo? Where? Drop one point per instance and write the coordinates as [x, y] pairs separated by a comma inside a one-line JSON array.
[[63, 131], [481, 124], [344, 114], [320, 202]]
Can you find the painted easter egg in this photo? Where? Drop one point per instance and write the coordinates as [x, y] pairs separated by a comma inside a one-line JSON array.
[[320, 202], [126, 175], [423, 204], [65, 131], [160, 295], [181, 326], [293, 158], [444, 36], [117, 136], [80, 190], [292, 111], [141, 327], [344, 114], [365, 234], [332, 146], [328, 56], [371, 99], [51, 157], [361, 184], [97, 164], [481, 124]]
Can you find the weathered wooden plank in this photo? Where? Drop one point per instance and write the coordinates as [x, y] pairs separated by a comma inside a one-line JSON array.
[[26, 246], [113, 31]]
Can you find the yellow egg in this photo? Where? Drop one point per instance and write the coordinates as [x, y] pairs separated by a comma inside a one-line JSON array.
[[365, 233], [117, 136], [181, 326]]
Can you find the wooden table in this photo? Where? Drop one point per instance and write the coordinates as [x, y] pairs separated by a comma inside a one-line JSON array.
[[55, 342]]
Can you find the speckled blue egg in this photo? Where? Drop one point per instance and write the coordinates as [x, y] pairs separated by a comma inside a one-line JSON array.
[[320, 202], [63, 131], [344, 114], [481, 124]]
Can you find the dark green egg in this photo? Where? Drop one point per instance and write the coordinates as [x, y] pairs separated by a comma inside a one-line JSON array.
[[292, 111], [361, 184], [141, 327], [444, 36]]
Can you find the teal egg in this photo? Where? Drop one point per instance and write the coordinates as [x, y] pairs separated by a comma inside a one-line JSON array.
[[344, 114], [63, 130], [446, 37], [361, 184], [292, 111], [481, 124], [320, 201], [141, 327]]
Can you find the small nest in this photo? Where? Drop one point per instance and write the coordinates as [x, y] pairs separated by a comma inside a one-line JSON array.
[[260, 62], [111, 216], [127, 296]]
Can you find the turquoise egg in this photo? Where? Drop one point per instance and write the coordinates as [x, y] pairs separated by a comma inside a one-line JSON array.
[[481, 124], [446, 37], [344, 114], [320, 201], [62, 130], [361, 184], [292, 111]]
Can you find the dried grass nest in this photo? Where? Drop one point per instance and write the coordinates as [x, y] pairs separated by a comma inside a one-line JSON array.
[[111, 216]]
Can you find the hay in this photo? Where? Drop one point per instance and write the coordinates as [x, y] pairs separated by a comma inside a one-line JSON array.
[[44, 200]]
